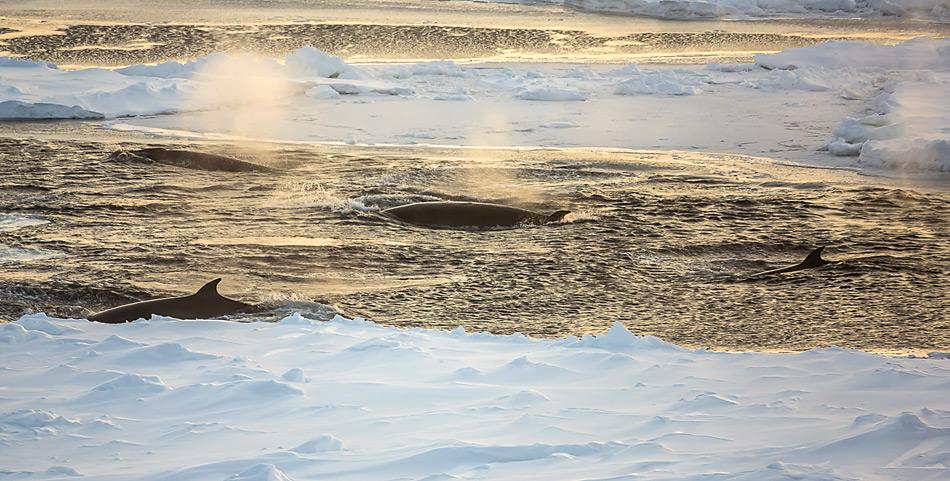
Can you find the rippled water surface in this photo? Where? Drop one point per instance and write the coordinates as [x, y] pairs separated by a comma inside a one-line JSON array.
[[663, 242], [464, 33]]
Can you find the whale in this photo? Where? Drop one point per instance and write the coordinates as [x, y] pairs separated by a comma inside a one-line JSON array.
[[189, 160], [204, 304], [468, 214], [812, 261]]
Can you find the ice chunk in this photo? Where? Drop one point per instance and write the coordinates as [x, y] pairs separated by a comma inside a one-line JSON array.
[[322, 92], [553, 94], [446, 68], [16, 110], [310, 62], [842, 148], [840, 54], [659, 82], [907, 153]]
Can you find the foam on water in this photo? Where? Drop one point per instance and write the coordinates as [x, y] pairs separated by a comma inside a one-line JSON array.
[[24, 254], [11, 222]]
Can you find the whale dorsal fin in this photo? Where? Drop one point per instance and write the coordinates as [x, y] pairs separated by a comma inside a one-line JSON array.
[[814, 258], [558, 215], [209, 289]]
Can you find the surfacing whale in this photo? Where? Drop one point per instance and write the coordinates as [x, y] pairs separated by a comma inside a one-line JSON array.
[[469, 214], [204, 304], [189, 160], [812, 260]]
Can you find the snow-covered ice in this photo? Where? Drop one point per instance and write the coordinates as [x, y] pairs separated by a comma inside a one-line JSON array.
[[693, 9], [166, 399], [14, 109], [660, 82], [552, 94], [28, 89], [905, 123], [883, 105]]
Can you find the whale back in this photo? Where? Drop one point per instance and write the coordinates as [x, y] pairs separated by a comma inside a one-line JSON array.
[[467, 214], [205, 303], [191, 160], [557, 215]]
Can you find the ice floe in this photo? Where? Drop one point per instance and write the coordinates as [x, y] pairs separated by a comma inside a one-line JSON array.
[[15, 109], [660, 82], [693, 9], [349, 399], [905, 87], [881, 105], [552, 94]]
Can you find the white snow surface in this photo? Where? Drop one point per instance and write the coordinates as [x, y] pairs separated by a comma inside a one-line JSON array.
[[789, 106], [660, 82], [165, 399], [27, 89], [14, 109], [905, 123], [938, 10]]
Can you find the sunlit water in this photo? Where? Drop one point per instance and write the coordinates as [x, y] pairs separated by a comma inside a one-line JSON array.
[[663, 242], [461, 33]]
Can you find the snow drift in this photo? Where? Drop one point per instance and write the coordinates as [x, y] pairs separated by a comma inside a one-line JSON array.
[[348, 399]]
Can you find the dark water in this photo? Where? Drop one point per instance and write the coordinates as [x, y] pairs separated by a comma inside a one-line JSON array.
[[119, 45], [662, 242]]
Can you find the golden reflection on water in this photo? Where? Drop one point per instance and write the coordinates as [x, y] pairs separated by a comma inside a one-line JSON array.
[[416, 31], [659, 241], [271, 241]]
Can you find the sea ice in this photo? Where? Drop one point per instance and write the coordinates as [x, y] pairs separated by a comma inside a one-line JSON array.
[[905, 86], [323, 92], [692, 9], [15, 109], [660, 82], [552, 93], [891, 99], [423, 404]]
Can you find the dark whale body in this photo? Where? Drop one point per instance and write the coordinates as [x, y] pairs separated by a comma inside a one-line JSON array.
[[811, 261], [468, 214], [204, 304], [190, 160]]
